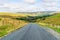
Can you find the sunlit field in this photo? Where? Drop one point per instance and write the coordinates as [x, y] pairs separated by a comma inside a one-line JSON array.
[[13, 21], [52, 22], [17, 14], [8, 24]]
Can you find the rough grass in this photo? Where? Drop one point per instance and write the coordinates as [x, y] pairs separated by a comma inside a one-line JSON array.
[[3, 29], [54, 20], [54, 28], [8, 25]]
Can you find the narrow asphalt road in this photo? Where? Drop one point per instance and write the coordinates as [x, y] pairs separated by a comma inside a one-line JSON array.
[[30, 32]]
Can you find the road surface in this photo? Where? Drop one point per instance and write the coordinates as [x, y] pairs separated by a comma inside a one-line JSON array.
[[30, 32]]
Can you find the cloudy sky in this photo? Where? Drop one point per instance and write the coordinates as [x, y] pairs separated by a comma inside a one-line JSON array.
[[29, 5]]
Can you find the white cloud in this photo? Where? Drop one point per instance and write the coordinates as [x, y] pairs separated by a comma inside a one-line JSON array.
[[51, 0], [22, 6], [50, 5], [29, 1], [26, 5], [18, 7]]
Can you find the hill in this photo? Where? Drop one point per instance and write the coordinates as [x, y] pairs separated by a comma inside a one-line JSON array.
[[7, 24], [52, 22], [55, 19]]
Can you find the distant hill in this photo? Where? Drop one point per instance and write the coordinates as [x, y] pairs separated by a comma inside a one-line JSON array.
[[38, 13], [27, 13]]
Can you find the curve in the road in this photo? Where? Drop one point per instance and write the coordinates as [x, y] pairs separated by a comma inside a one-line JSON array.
[[30, 32]]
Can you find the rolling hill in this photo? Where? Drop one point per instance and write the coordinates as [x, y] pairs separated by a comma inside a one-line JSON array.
[[55, 19], [7, 24], [52, 22]]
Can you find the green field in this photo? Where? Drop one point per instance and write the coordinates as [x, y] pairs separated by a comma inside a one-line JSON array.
[[52, 22], [55, 19]]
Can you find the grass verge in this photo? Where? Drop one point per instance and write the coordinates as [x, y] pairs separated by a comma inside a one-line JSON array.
[[52, 27]]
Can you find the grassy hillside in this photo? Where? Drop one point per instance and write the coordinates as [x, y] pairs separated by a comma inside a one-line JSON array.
[[55, 19], [52, 22], [11, 21], [7, 24]]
